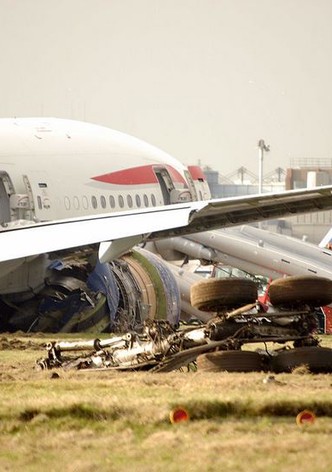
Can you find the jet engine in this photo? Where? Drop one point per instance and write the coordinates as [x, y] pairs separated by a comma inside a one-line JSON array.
[[112, 297]]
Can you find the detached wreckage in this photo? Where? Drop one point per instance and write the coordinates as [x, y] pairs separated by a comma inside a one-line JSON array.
[[237, 319]]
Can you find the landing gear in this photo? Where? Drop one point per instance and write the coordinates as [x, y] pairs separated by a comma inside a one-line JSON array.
[[221, 294], [316, 291], [315, 359], [230, 361]]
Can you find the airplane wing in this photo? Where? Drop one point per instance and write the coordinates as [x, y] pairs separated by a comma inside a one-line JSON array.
[[235, 211], [125, 229], [119, 231]]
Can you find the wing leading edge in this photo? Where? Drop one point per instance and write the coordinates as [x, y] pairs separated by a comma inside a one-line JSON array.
[[160, 222]]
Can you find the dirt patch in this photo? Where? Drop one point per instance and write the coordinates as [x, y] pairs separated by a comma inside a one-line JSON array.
[[19, 344]]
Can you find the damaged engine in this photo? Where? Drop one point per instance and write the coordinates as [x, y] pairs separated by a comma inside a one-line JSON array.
[[82, 295]]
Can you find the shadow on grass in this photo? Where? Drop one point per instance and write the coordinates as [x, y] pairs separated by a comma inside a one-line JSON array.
[[200, 410], [82, 411]]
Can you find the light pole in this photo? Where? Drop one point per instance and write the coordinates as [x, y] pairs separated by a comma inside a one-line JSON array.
[[262, 147]]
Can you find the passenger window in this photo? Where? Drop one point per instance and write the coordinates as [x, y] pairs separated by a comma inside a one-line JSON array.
[[146, 200], [138, 200], [121, 201], [67, 203], [76, 203], [85, 202], [112, 201], [129, 201], [153, 200], [103, 201], [39, 201], [94, 202]]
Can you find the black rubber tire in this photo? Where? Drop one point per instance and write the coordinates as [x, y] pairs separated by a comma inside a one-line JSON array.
[[230, 361], [217, 294], [317, 359], [315, 291]]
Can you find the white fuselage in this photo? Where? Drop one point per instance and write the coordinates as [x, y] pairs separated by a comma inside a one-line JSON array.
[[56, 169]]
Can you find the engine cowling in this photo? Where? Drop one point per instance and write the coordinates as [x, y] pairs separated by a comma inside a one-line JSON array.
[[117, 296]]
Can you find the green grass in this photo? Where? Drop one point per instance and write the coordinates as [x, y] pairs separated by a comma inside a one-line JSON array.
[[117, 421]]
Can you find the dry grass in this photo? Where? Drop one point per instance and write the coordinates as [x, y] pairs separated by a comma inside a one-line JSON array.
[[83, 421]]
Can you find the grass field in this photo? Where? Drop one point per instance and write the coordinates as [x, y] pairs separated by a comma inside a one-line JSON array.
[[112, 421]]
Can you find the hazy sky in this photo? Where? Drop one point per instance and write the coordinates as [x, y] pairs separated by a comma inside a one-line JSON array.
[[201, 79]]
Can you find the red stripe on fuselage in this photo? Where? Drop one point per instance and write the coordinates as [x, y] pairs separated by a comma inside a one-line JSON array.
[[196, 173], [138, 175]]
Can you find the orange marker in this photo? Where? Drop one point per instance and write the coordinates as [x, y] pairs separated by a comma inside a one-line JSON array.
[[305, 417], [179, 414]]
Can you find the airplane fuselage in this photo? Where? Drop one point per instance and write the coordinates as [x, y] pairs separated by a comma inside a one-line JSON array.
[[54, 169]]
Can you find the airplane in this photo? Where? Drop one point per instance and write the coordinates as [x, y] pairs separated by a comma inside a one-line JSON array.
[[78, 201]]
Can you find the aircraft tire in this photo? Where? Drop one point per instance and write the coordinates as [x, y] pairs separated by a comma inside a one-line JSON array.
[[316, 359], [230, 361], [316, 291], [217, 294]]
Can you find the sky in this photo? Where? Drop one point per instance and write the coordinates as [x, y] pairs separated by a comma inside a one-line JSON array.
[[204, 80]]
